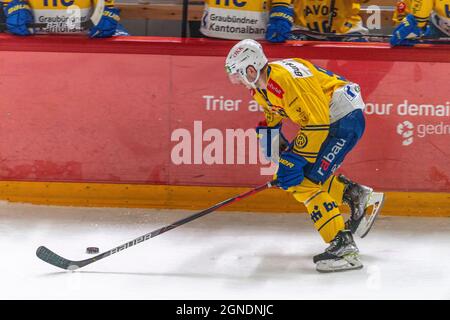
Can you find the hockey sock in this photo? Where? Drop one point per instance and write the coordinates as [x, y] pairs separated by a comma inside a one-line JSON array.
[[322, 208], [335, 189]]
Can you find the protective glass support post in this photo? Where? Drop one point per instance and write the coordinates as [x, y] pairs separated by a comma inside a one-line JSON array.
[[2, 18], [184, 20], [331, 16]]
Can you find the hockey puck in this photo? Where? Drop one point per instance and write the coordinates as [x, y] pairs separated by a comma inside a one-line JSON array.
[[92, 250]]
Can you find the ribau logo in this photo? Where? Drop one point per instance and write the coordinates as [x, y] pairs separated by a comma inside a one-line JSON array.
[[406, 130]]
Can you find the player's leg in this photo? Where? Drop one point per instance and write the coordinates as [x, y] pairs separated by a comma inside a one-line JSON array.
[[342, 253], [356, 196], [335, 188], [344, 135], [323, 210], [342, 138]]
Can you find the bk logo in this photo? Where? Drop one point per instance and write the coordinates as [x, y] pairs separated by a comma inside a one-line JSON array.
[[316, 214], [330, 206], [301, 141]]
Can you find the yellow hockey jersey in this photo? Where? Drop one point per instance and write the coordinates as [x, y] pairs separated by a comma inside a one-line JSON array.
[[315, 15], [235, 19], [62, 16], [302, 92], [436, 11]]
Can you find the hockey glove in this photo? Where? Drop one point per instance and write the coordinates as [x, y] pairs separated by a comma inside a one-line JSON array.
[[107, 25], [406, 32], [271, 140], [290, 170], [281, 18], [18, 16]]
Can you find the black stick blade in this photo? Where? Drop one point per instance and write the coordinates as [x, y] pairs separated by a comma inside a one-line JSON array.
[[50, 257]]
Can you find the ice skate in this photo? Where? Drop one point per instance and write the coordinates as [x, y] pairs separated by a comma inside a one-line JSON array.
[[341, 255], [359, 198]]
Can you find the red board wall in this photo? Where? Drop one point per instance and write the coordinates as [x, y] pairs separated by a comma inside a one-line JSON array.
[[109, 111]]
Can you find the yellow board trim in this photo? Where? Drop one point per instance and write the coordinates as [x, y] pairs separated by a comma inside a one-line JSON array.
[[198, 197]]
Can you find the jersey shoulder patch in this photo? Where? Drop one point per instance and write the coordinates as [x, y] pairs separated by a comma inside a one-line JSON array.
[[295, 68]]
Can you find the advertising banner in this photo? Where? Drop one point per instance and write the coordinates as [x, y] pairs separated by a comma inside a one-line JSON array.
[[163, 119]]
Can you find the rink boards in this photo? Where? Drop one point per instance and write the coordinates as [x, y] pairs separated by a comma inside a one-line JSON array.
[[154, 122], [432, 204]]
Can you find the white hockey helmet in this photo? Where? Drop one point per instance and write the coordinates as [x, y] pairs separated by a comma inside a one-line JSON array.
[[245, 53]]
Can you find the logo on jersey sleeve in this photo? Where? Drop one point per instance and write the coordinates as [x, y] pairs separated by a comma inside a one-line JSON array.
[[275, 88], [301, 141]]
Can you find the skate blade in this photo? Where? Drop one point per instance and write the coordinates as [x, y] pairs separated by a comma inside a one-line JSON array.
[[347, 263], [376, 201]]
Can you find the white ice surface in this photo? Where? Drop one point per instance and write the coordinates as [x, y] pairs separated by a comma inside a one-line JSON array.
[[219, 256]]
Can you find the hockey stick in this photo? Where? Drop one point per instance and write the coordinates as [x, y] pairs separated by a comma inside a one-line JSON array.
[[96, 15], [333, 35], [50, 257]]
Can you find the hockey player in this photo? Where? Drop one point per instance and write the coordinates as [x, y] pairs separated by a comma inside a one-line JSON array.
[[430, 18], [325, 16], [328, 110], [61, 17]]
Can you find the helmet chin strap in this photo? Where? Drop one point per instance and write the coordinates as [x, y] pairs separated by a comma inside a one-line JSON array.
[[253, 83]]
